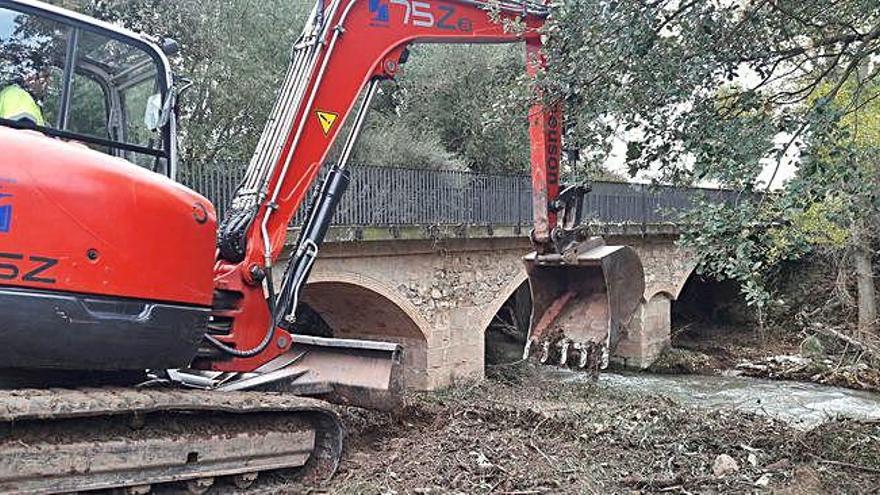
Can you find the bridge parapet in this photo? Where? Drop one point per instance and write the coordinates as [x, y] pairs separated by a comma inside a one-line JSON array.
[[380, 233], [388, 197]]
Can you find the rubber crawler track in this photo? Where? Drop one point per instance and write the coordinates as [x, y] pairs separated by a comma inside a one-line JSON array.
[[38, 407]]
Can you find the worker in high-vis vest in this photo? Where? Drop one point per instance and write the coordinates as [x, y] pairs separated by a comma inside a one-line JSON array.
[[17, 104]]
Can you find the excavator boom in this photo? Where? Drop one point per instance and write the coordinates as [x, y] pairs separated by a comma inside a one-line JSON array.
[[345, 49]]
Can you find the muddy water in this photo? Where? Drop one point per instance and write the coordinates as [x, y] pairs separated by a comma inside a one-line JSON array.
[[803, 405]]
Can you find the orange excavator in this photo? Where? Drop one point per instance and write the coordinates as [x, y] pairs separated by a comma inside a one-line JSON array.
[[143, 341]]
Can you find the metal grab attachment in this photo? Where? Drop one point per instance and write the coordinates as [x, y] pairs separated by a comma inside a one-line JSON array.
[[581, 302]]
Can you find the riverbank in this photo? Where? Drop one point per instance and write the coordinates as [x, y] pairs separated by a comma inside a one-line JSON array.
[[530, 433], [779, 355]]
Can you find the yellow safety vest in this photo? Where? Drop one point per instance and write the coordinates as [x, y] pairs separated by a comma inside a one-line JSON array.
[[18, 104]]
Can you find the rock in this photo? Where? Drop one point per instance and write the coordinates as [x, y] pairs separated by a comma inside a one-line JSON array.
[[436, 294], [482, 461], [681, 361], [753, 459], [783, 463], [788, 360], [764, 480], [805, 480], [724, 465]]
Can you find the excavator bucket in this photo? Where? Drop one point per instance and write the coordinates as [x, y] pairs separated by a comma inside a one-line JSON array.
[[581, 302]]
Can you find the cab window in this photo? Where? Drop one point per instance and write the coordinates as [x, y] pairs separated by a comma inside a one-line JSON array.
[[91, 86]]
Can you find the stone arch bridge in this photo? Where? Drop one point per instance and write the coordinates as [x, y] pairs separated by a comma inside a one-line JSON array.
[[427, 259]]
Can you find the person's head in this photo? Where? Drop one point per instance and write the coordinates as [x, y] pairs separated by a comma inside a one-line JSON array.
[[36, 82]]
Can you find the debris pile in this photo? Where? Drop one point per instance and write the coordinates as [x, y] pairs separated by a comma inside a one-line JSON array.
[[534, 436], [818, 369]]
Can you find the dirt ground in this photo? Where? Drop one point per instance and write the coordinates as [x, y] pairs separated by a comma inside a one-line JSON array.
[[521, 434]]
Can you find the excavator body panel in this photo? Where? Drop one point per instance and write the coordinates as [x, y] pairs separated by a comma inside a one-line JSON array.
[[104, 265]]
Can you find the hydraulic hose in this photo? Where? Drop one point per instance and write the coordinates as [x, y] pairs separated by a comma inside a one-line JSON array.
[[270, 332]]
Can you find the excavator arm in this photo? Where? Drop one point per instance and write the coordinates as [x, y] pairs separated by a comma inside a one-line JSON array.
[[346, 48], [121, 282]]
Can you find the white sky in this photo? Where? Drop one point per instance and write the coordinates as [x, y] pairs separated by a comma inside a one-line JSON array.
[[617, 163]]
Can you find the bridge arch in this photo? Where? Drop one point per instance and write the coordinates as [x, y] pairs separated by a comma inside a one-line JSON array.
[[504, 322], [503, 296], [663, 293], [710, 304], [358, 307]]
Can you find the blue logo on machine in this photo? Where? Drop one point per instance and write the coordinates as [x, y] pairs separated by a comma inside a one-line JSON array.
[[381, 15], [5, 214]]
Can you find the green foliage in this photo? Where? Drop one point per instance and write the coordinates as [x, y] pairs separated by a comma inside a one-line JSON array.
[[736, 242], [701, 88], [817, 224], [388, 142], [447, 101], [721, 91]]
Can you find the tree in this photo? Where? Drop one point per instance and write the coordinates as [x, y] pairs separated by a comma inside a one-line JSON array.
[[707, 90], [844, 165], [453, 91]]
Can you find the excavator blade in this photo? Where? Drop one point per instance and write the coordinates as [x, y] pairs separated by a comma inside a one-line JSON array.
[[581, 302], [348, 372], [361, 373]]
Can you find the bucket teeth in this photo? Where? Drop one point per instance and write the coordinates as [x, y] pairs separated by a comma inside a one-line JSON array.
[[586, 356], [545, 352], [583, 351], [563, 351]]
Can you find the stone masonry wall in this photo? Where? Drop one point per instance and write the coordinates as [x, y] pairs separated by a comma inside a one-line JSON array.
[[448, 292]]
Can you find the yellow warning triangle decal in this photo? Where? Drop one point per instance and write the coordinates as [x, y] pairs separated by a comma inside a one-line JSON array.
[[327, 119]]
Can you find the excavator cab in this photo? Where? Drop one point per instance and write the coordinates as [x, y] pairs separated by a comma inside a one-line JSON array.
[[87, 83], [105, 262]]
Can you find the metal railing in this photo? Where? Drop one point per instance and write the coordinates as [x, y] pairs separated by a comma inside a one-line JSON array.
[[382, 196]]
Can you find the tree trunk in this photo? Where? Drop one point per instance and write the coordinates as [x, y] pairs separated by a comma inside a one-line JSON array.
[[867, 296]]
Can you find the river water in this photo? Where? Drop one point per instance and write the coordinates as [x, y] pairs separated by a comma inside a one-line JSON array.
[[803, 405]]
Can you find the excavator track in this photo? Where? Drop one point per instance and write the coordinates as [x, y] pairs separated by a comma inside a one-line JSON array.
[[62, 441]]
